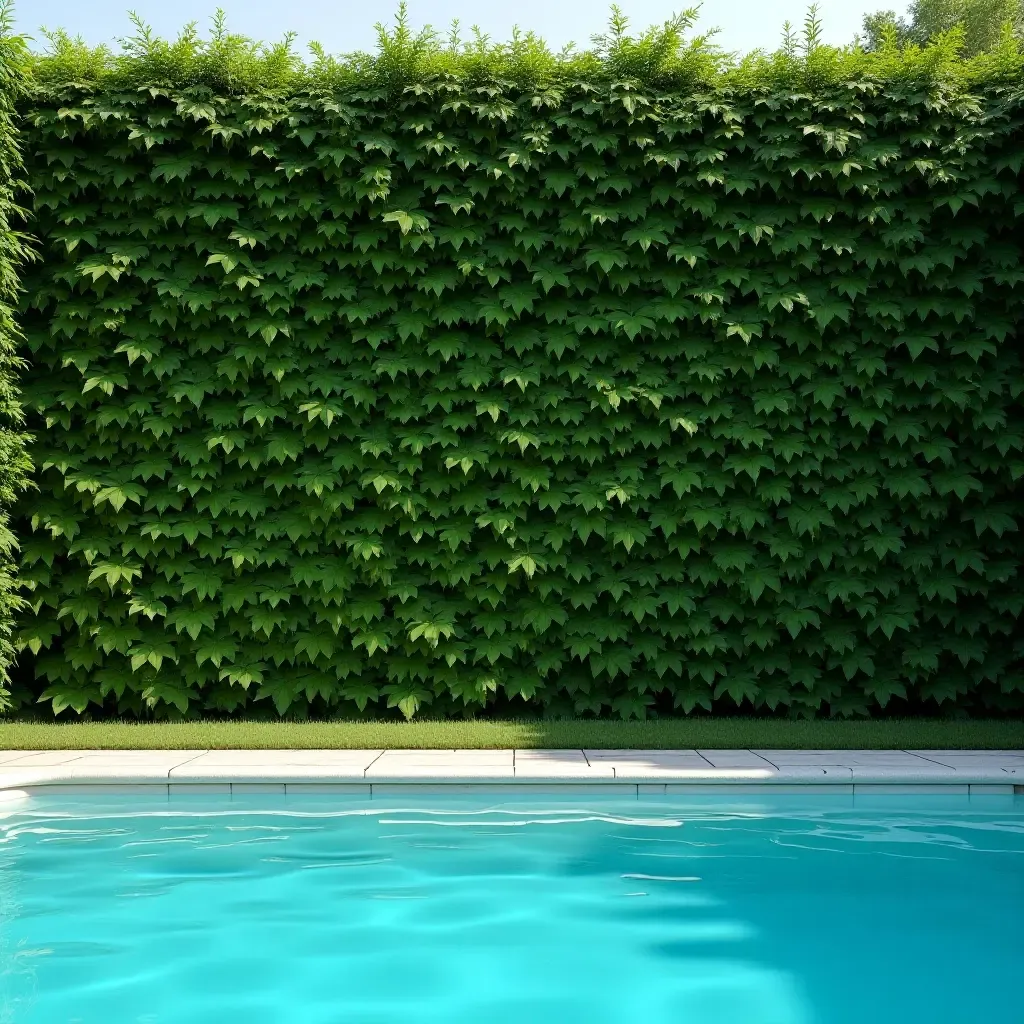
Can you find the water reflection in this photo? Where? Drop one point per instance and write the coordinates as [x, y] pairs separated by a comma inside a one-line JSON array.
[[700, 912]]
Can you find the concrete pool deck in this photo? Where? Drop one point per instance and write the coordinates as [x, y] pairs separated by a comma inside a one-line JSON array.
[[987, 772]]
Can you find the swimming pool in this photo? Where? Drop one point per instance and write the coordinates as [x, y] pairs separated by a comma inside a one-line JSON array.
[[782, 909]]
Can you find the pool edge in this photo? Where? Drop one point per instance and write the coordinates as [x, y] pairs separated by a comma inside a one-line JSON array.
[[980, 772]]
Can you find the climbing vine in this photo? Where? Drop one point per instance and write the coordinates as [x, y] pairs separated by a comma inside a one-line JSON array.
[[454, 378]]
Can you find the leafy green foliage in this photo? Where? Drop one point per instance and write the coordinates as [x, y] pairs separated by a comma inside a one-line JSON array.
[[980, 24], [661, 57], [14, 463], [466, 378]]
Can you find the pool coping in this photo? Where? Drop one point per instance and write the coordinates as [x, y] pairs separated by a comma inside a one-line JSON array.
[[646, 771]]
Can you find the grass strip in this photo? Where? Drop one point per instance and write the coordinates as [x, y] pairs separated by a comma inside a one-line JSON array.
[[709, 733]]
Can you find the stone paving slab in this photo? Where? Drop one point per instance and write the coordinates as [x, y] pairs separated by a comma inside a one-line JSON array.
[[220, 768]]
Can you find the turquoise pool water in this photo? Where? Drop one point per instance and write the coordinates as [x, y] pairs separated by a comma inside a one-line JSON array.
[[790, 910]]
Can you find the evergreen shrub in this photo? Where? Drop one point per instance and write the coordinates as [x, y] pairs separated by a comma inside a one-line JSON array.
[[14, 460]]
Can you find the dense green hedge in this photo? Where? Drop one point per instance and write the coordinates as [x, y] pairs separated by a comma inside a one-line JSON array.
[[440, 386], [14, 462]]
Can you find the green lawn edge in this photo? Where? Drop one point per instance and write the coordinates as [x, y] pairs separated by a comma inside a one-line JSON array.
[[556, 734]]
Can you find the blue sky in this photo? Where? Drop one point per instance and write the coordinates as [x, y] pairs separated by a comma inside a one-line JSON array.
[[345, 25]]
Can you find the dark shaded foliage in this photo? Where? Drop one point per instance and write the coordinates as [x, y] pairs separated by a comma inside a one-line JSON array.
[[14, 462], [431, 386]]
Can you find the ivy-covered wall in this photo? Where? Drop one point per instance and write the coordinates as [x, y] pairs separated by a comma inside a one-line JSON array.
[[602, 396]]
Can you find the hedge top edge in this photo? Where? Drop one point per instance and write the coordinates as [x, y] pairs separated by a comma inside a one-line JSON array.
[[662, 56]]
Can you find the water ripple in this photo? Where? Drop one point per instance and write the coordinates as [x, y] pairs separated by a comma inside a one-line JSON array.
[[111, 912]]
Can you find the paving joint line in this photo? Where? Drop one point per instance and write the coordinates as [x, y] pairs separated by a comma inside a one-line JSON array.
[[929, 760], [175, 767], [765, 759], [373, 762]]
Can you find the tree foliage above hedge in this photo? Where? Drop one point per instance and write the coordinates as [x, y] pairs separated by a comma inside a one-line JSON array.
[[601, 393], [982, 22]]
